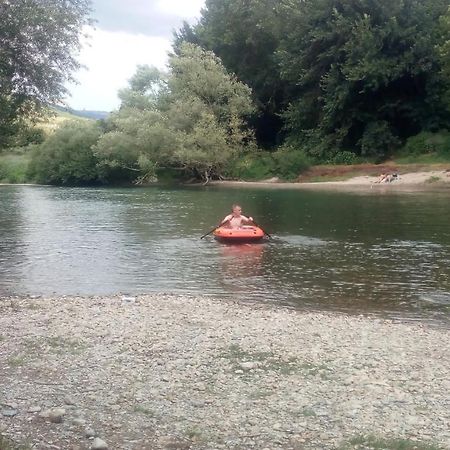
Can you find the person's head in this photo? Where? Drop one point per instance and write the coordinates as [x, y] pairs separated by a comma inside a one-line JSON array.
[[237, 210]]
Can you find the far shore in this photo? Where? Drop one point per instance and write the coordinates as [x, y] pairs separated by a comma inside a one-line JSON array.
[[426, 180], [179, 372], [408, 182]]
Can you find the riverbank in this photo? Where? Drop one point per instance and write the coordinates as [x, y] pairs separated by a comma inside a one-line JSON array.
[[429, 180], [176, 372]]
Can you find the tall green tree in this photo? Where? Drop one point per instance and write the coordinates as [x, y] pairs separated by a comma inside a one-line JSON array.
[[191, 119], [367, 73], [245, 34], [444, 51], [38, 39]]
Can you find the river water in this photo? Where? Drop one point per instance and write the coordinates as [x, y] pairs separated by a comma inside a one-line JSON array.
[[379, 253]]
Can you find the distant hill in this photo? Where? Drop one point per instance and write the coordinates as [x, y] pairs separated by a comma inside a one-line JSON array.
[[95, 115]]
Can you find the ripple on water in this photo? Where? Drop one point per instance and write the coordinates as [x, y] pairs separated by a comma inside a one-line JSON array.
[[329, 251]]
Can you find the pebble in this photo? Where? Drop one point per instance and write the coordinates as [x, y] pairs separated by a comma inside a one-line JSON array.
[[34, 409], [69, 400], [235, 376], [89, 432], [248, 365], [99, 444], [79, 422], [56, 415], [9, 412]]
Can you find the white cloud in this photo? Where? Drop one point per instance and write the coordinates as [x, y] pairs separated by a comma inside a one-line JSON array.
[[111, 59], [181, 8]]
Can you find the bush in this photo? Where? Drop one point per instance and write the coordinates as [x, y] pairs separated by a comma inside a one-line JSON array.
[[253, 166], [378, 140], [66, 157], [290, 163], [344, 157], [13, 168], [428, 143]]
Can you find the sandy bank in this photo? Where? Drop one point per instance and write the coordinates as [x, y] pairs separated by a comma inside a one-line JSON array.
[[174, 372], [408, 182]]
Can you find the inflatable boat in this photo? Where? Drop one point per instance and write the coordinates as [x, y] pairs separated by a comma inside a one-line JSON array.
[[239, 235]]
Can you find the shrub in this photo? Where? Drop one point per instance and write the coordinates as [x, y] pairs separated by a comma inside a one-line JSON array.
[[428, 143], [344, 157], [290, 162], [13, 168], [66, 157], [253, 166], [378, 140]]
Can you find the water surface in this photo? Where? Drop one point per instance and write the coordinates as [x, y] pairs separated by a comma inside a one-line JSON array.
[[373, 253]]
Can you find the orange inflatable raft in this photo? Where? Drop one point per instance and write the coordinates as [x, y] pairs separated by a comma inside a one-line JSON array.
[[239, 235]]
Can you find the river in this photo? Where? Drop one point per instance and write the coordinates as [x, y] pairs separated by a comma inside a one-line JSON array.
[[374, 253]]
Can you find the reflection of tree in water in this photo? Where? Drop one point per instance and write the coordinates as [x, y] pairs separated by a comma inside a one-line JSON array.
[[11, 237], [241, 261]]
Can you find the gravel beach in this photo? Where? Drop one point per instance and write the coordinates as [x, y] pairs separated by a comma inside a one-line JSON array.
[[176, 372]]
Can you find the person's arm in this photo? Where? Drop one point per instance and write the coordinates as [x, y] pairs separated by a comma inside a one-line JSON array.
[[247, 219], [226, 219]]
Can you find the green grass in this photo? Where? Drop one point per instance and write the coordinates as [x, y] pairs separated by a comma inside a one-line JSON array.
[[16, 361], [54, 344], [8, 444], [308, 412], [371, 442], [432, 180], [426, 158], [61, 344], [143, 410], [269, 362], [195, 434]]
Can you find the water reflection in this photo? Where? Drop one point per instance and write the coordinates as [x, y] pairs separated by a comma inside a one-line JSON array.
[[329, 251], [241, 260]]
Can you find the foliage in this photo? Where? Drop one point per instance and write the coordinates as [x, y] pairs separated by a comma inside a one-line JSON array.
[[444, 51], [13, 168], [344, 157], [428, 143], [363, 67], [252, 166], [371, 442], [37, 41], [378, 140], [287, 163], [290, 162], [8, 444], [66, 157], [245, 35], [191, 119]]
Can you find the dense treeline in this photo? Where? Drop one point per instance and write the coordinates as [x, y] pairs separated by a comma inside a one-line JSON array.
[[334, 76], [256, 88]]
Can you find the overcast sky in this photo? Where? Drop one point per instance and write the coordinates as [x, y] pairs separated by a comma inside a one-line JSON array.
[[127, 33]]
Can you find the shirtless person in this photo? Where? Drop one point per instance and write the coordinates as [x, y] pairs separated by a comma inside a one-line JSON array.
[[236, 219]]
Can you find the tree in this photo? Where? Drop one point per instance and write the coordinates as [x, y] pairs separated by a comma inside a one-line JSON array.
[[37, 42], [245, 35], [444, 51], [191, 120], [363, 67]]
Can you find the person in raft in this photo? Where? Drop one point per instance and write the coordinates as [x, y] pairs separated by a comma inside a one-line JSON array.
[[236, 219]]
